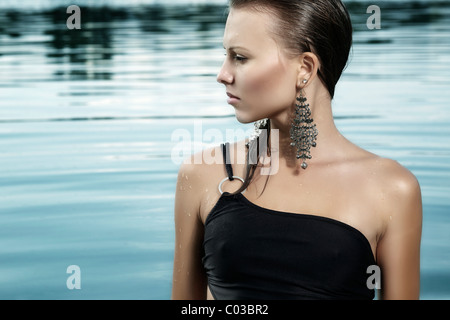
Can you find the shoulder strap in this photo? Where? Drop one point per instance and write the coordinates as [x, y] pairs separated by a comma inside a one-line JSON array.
[[226, 160]]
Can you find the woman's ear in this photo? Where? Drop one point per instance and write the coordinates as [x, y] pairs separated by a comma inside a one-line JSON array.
[[308, 67]]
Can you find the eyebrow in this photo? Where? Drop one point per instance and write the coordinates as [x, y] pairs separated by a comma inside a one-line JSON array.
[[235, 47]]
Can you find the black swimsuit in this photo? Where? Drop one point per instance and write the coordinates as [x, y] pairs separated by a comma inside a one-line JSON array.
[[254, 253]]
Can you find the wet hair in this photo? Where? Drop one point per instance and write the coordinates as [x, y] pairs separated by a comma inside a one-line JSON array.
[[322, 27]]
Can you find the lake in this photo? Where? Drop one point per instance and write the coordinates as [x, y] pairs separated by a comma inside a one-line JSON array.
[[87, 122]]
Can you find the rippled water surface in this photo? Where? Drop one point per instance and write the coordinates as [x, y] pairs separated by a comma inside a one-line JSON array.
[[87, 117]]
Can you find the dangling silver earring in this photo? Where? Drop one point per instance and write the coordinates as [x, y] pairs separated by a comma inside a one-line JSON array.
[[303, 131]]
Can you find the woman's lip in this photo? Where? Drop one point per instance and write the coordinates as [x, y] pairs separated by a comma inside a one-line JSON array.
[[232, 99], [232, 96]]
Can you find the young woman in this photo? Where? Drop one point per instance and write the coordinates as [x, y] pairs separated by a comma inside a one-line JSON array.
[[332, 211]]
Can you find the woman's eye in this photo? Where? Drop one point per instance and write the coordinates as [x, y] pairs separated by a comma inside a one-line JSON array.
[[236, 57], [239, 58]]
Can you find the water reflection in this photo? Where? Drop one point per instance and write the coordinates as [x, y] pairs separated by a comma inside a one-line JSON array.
[[108, 32]]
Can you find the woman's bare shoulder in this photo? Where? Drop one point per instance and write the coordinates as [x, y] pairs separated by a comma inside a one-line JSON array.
[[395, 177], [199, 166], [396, 187], [386, 173]]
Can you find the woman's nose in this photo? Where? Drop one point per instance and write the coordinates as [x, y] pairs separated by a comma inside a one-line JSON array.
[[225, 76]]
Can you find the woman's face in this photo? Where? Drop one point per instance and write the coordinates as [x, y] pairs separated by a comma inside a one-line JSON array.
[[260, 79]]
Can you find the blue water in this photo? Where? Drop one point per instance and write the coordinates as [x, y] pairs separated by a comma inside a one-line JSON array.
[[87, 123]]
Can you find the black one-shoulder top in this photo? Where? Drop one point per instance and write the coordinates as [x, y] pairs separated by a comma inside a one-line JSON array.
[[255, 253]]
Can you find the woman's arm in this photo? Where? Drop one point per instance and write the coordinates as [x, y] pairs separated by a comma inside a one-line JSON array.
[[189, 280], [398, 250]]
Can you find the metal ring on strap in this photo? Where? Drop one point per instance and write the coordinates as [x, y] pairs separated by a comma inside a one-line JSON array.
[[235, 177]]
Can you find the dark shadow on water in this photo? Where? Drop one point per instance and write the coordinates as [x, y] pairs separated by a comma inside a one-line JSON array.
[[98, 41]]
